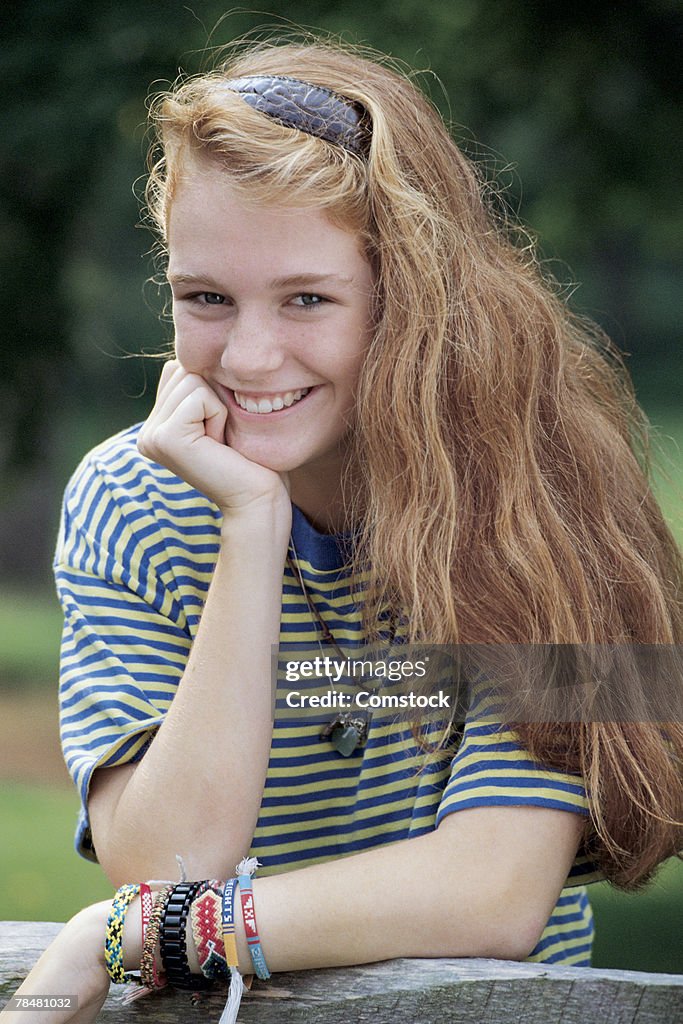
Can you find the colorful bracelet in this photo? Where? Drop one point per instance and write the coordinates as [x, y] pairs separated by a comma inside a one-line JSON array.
[[251, 928], [228, 923], [205, 915], [146, 904], [173, 939], [148, 967], [113, 950]]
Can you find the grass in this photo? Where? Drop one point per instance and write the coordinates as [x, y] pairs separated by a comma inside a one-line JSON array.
[[31, 631], [43, 877]]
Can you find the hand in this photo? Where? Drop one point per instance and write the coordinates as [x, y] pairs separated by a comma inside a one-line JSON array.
[[186, 433], [73, 964]]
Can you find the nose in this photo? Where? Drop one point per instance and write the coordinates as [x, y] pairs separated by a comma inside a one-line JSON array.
[[252, 351]]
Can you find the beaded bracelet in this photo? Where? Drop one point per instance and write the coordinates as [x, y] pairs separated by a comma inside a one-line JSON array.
[[113, 951], [251, 928], [173, 939], [148, 967]]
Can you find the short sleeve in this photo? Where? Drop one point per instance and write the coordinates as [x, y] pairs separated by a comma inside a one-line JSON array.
[[492, 769], [134, 558]]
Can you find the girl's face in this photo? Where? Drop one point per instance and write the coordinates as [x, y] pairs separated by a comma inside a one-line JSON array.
[[272, 306]]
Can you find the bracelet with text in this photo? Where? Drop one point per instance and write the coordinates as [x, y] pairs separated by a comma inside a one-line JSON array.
[[251, 927], [228, 923]]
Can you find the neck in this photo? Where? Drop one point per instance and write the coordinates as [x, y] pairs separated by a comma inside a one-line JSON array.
[[322, 497]]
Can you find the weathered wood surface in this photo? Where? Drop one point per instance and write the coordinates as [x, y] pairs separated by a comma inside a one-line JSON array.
[[409, 991]]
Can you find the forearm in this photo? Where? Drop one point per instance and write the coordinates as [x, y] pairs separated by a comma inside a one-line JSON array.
[[484, 884], [197, 791], [436, 895]]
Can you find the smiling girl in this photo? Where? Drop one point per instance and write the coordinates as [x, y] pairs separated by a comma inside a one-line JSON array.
[[292, 293], [379, 415]]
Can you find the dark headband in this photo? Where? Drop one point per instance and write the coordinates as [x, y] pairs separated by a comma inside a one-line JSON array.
[[310, 108]]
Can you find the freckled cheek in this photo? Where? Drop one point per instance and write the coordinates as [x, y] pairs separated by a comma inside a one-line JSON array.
[[194, 351]]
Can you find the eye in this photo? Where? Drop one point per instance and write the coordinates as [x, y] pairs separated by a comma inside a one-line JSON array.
[[211, 298], [308, 299]]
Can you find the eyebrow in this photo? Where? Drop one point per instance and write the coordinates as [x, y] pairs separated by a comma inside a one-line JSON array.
[[302, 280], [288, 281]]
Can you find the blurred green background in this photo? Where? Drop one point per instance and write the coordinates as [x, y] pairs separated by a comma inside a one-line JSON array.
[[571, 109]]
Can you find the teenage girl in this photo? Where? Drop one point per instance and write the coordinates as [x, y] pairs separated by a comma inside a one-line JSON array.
[[379, 415]]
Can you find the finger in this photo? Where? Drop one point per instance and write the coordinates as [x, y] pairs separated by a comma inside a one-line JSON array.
[[214, 423], [164, 438], [171, 373], [167, 371], [179, 386], [202, 406], [198, 408]]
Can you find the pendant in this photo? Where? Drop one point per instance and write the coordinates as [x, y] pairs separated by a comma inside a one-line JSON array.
[[346, 733]]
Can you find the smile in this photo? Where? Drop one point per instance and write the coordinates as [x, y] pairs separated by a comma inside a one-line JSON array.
[[273, 403]]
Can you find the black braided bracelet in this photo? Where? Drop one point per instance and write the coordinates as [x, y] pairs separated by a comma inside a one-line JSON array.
[[173, 939]]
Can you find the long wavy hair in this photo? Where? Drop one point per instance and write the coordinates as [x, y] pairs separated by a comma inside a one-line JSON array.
[[500, 462]]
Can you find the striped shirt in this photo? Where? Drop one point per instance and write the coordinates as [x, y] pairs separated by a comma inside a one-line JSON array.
[[135, 556]]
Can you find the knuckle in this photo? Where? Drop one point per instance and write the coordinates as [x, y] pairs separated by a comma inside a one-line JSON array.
[[152, 441], [142, 444]]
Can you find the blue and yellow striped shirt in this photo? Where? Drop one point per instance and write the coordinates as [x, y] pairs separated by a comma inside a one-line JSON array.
[[135, 556]]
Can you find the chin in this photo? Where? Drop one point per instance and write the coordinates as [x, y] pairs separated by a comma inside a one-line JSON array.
[[266, 456]]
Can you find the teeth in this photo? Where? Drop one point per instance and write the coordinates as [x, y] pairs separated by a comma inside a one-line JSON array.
[[265, 405]]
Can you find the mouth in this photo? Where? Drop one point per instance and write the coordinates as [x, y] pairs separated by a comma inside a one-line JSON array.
[[273, 403]]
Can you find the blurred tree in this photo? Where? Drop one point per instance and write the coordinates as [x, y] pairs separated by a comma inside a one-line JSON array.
[[580, 100]]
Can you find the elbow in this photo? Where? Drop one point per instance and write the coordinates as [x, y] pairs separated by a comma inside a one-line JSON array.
[[493, 932], [127, 853], [516, 941], [510, 933]]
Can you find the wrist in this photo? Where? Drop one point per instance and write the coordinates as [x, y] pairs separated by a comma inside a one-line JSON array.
[[268, 518]]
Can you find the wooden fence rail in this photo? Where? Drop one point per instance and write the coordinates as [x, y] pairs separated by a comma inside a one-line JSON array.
[[394, 992]]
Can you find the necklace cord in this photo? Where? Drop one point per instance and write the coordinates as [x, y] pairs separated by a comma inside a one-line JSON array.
[[315, 614]]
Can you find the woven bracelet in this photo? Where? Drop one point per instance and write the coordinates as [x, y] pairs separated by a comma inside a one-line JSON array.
[[228, 923], [146, 904], [148, 967], [205, 914], [251, 928], [113, 949]]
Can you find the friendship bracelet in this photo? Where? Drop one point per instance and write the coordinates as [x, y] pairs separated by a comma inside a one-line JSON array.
[[228, 923], [113, 951], [251, 928], [205, 915], [146, 904], [148, 966], [174, 939]]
